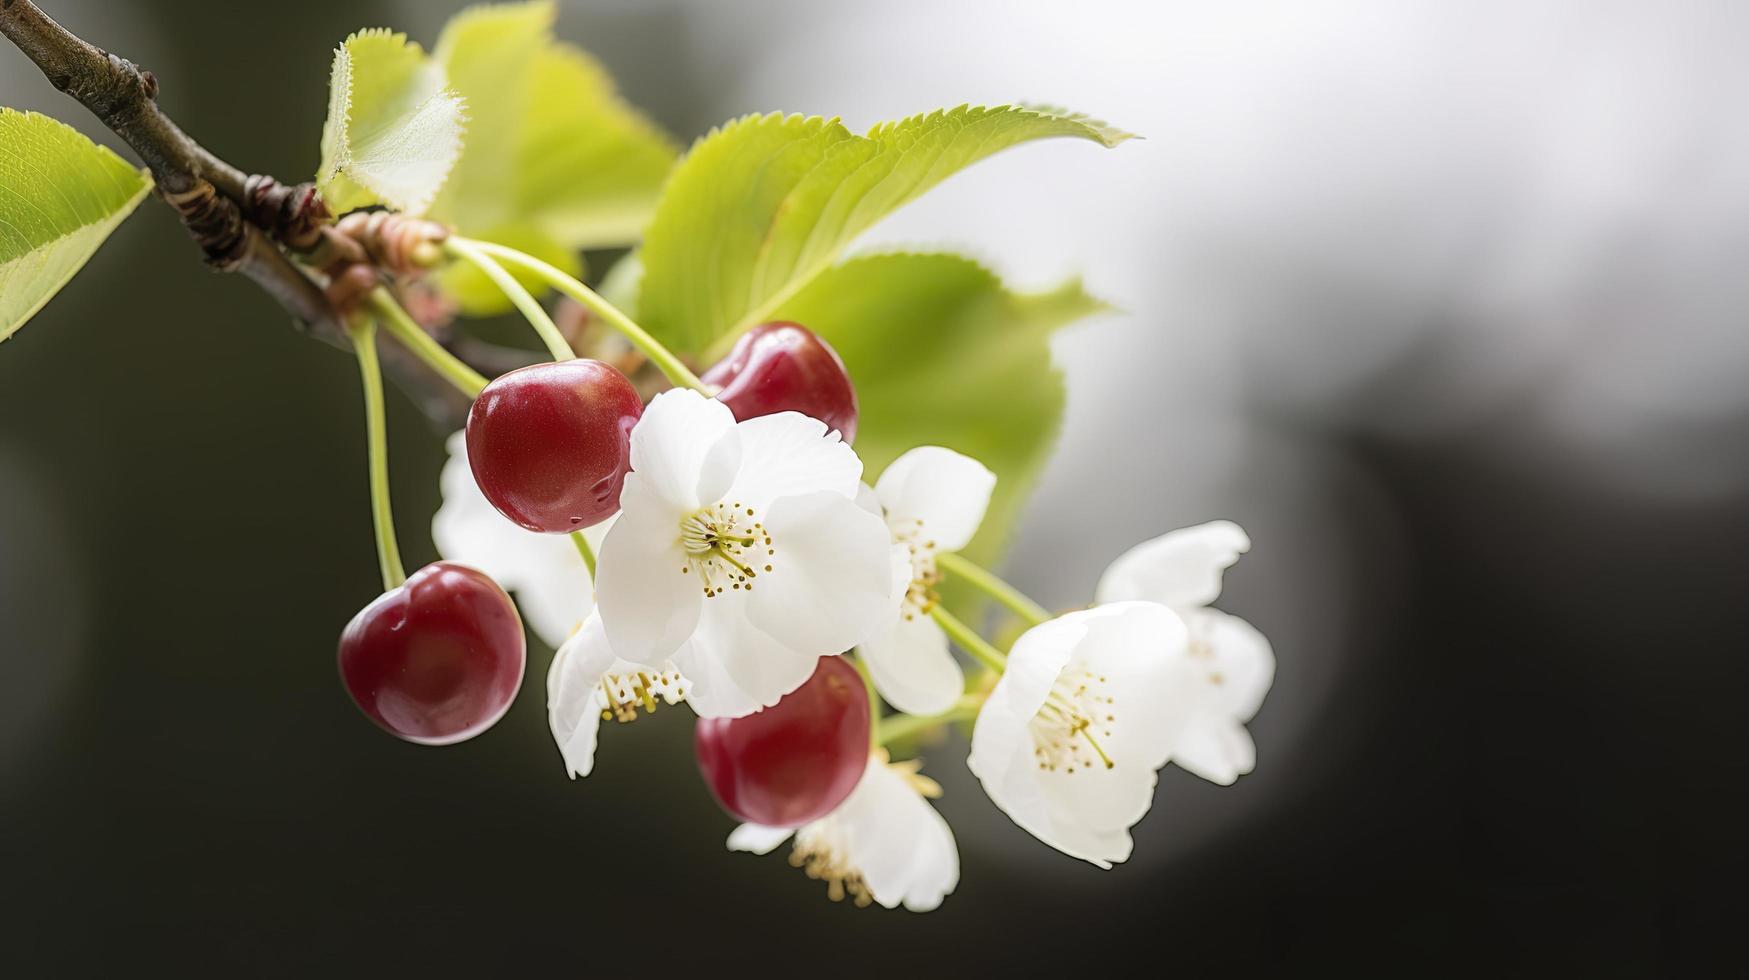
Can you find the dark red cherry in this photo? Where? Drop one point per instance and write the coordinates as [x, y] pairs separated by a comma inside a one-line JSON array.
[[550, 444], [794, 761], [784, 367], [437, 660]]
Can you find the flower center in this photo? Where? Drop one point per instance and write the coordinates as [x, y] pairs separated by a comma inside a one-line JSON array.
[[920, 596], [1079, 711], [625, 693], [820, 853], [726, 547]]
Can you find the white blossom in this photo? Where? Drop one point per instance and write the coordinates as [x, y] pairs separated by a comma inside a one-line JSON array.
[[1089, 708], [740, 556], [1234, 665]]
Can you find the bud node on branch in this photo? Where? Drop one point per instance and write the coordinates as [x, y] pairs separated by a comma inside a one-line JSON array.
[[294, 214], [214, 221]]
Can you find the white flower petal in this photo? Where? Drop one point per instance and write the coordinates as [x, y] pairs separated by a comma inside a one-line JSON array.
[[574, 698], [1240, 657], [935, 866], [1218, 749], [554, 598], [1181, 569], [899, 657], [912, 667], [468, 529], [757, 838], [732, 667], [678, 435], [830, 583], [648, 605], [1002, 749], [900, 843], [947, 491], [866, 499], [1139, 648], [721, 465], [544, 570], [789, 454]]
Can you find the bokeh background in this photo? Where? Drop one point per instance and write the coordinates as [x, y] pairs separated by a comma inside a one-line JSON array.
[[1444, 302]]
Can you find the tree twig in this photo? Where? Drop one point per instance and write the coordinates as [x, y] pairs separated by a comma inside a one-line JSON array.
[[236, 218], [123, 97]]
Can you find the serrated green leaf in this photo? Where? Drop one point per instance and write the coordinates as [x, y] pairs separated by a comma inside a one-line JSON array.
[[943, 354], [592, 167], [60, 197], [764, 204], [394, 129], [553, 150]]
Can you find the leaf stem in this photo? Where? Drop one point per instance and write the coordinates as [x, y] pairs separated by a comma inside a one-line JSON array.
[[587, 552], [995, 587], [969, 640], [474, 252], [364, 342], [664, 359], [901, 726], [401, 326]]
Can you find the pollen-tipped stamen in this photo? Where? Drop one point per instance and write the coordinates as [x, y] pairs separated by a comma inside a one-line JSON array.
[[723, 550], [624, 694]]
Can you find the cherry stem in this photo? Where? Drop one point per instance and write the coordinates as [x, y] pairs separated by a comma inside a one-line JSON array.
[[664, 359], [874, 700], [400, 324], [364, 342], [969, 640], [901, 726], [587, 552], [992, 585], [524, 301]]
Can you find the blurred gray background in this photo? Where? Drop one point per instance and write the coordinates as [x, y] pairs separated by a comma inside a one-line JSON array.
[[1443, 302]]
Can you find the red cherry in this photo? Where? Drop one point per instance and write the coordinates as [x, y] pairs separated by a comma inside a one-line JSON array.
[[794, 761], [437, 660], [550, 444], [784, 367]]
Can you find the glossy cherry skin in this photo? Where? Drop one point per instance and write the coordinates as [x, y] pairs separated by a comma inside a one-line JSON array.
[[437, 660], [794, 761], [550, 444], [784, 367]]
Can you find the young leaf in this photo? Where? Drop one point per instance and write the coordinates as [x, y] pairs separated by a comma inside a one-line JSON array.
[[944, 354], [766, 203], [60, 197], [393, 130], [554, 157]]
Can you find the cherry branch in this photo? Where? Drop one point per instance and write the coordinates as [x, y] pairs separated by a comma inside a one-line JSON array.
[[239, 220]]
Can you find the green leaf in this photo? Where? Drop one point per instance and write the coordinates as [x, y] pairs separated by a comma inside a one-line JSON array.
[[60, 197], [943, 354], [553, 152], [764, 204], [592, 167], [394, 129]]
